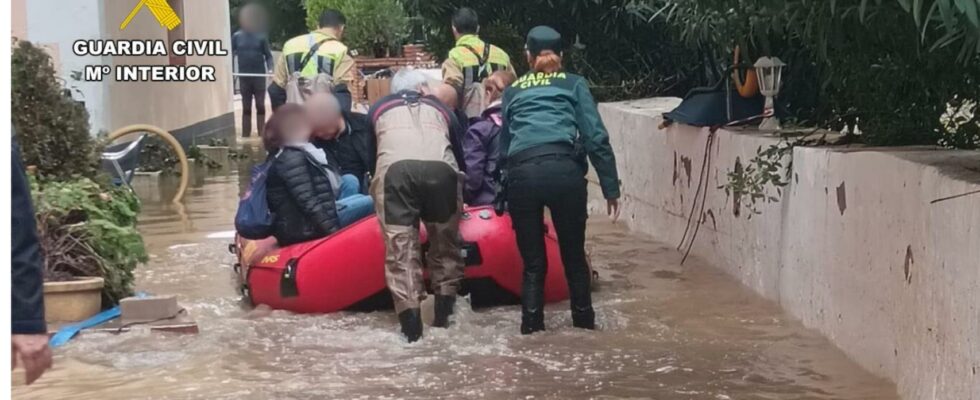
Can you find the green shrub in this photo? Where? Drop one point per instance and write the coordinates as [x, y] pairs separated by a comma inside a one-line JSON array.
[[52, 129], [893, 67], [373, 26], [620, 52], [87, 230]]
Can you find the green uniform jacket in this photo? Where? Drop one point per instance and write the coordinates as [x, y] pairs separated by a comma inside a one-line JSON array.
[[544, 108]]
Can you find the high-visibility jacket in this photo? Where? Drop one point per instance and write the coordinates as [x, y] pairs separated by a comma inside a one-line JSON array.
[[331, 57], [463, 66], [468, 64]]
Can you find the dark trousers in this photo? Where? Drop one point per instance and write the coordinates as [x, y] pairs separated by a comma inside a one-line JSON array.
[[556, 182], [252, 88]]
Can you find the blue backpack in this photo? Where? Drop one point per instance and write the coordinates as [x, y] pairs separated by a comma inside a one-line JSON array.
[[254, 220]]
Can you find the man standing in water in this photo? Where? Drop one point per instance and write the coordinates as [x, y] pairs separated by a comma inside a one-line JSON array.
[[250, 48], [418, 180]]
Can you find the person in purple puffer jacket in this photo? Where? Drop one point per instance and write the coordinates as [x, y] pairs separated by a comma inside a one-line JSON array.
[[480, 144]]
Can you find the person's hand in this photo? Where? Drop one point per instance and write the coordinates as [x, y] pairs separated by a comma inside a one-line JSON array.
[[612, 208], [33, 352]]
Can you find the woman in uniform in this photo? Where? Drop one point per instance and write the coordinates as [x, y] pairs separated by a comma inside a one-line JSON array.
[[551, 125]]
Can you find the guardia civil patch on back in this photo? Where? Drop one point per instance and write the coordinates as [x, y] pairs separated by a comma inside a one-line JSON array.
[[534, 79]]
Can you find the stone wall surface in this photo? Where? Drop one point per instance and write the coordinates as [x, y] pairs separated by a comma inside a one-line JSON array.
[[878, 249]]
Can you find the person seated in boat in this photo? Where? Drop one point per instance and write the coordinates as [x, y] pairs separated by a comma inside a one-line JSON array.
[[307, 194], [418, 181], [481, 142], [345, 136]]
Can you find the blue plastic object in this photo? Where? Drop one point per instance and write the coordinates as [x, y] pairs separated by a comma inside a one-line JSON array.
[[67, 332]]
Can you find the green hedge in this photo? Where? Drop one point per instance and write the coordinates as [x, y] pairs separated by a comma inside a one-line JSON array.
[[373, 26]]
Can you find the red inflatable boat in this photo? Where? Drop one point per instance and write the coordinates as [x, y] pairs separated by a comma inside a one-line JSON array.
[[345, 271]]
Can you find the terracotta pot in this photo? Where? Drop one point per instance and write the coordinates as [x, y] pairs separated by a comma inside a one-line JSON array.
[[73, 300]]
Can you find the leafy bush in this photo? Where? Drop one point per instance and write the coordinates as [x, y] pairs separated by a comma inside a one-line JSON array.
[[87, 230], [608, 41], [892, 67], [52, 129], [373, 26]]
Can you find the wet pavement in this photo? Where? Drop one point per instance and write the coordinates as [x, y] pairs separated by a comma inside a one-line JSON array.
[[666, 332]]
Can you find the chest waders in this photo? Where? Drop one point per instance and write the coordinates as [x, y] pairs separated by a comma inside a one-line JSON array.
[[416, 184]]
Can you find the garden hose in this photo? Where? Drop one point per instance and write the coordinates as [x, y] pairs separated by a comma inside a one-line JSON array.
[[172, 141]]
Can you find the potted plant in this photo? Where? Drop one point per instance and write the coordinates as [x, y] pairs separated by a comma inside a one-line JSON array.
[[90, 244], [87, 229]]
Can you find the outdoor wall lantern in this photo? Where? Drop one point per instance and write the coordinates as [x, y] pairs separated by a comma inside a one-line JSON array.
[[770, 72]]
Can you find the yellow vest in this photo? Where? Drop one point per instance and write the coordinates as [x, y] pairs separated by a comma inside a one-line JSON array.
[[468, 54], [327, 56]]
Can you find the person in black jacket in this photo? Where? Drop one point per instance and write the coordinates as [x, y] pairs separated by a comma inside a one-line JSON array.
[[345, 136], [29, 339], [300, 188]]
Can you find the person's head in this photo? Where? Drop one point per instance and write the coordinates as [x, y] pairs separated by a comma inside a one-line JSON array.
[[445, 93], [334, 20], [323, 111], [409, 79], [289, 124], [251, 18], [465, 22], [543, 49], [495, 84]]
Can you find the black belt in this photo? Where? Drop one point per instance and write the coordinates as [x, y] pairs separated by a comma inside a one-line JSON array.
[[550, 150]]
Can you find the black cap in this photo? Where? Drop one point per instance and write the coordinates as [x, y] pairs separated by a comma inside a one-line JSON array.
[[542, 38]]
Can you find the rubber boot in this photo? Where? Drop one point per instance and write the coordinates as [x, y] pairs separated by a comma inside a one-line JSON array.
[[532, 308], [411, 321], [583, 318], [580, 296], [443, 309]]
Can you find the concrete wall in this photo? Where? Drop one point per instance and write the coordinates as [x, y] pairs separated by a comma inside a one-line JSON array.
[[55, 25], [18, 18], [859, 245], [174, 105]]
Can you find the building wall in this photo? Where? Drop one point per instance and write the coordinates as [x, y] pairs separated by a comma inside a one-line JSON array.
[[192, 110], [860, 245], [18, 18], [55, 25]]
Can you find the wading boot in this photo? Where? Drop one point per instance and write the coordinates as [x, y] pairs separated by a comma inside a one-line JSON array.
[[411, 321], [443, 309], [580, 296], [532, 322], [583, 318], [532, 303]]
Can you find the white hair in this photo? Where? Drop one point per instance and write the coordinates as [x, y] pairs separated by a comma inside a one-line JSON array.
[[409, 79]]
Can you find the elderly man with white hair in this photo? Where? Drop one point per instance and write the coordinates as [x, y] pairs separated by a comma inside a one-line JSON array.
[[418, 180], [345, 136]]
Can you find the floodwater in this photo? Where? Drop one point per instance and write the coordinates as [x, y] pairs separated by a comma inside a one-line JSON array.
[[666, 332]]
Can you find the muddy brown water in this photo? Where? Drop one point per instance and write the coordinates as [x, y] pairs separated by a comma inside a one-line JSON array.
[[666, 332]]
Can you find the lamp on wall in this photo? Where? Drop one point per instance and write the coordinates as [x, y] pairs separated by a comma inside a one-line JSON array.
[[770, 73]]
